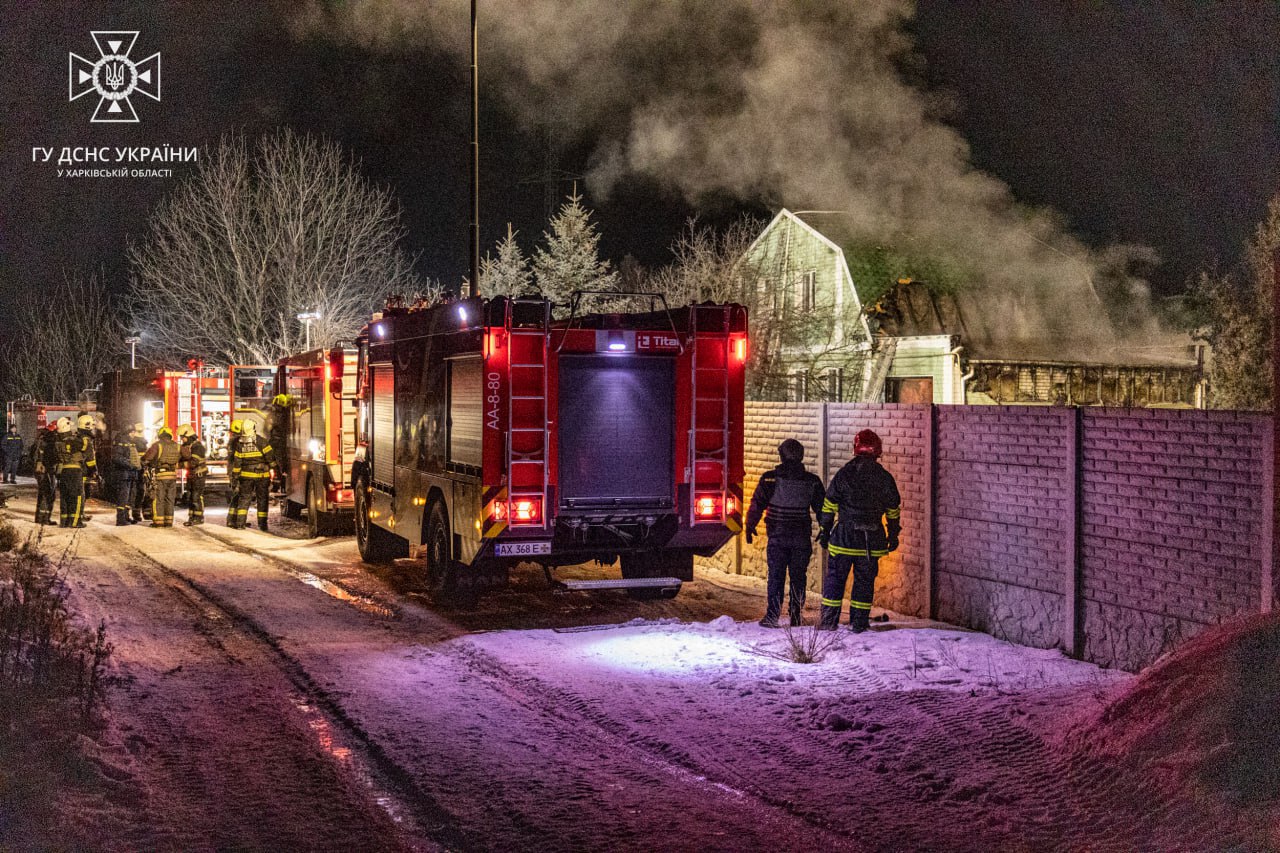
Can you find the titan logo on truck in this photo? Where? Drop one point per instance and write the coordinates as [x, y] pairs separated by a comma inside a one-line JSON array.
[[656, 341]]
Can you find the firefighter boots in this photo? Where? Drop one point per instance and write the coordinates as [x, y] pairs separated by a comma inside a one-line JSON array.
[[122, 517], [769, 622], [262, 523]]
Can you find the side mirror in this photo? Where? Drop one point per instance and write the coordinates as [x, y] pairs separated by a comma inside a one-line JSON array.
[[333, 371]]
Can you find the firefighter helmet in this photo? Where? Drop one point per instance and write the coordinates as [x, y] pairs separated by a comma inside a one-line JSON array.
[[791, 451], [64, 424], [867, 443], [249, 428], [185, 430], [139, 427], [84, 422], [164, 432], [280, 400], [237, 427]]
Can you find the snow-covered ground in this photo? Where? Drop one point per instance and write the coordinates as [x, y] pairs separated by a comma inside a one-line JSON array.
[[309, 701]]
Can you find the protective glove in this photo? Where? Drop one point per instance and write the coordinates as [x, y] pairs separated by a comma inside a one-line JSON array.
[[751, 534], [893, 544], [824, 537]]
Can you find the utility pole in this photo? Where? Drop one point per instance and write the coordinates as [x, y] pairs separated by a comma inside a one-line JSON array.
[[475, 158], [1271, 579]]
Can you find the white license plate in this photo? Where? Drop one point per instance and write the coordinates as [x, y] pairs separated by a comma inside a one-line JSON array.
[[523, 549]]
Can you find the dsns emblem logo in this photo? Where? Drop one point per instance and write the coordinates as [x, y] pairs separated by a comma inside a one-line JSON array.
[[114, 76]]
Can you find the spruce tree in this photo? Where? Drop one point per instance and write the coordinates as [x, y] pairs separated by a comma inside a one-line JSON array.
[[507, 274], [571, 259]]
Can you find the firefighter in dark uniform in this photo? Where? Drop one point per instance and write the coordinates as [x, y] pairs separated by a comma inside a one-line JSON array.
[[126, 461], [85, 429], [141, 496], [251, 466], [162, 458], [194, 459], [278, 434], [13, 447], [46, 476], [233, 441], [862, 492], [785, 496], [70, 451]]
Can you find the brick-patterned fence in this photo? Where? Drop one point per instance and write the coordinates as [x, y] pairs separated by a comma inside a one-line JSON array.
[[1110, 533]]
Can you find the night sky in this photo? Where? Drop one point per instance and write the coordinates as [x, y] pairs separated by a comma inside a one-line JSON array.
[[1154, 123]]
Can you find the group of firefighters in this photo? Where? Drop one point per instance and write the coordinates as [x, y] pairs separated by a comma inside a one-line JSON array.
[[66, 463], [859, 522]]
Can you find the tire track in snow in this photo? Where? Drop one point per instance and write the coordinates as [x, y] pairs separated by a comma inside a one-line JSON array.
[[416, 810], [573, 711]]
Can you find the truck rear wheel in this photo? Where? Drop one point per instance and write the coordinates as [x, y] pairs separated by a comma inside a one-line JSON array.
[[376, 545], [319, 522], [442, 572]]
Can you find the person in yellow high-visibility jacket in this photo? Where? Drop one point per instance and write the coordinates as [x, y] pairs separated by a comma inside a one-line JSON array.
[[162, 457], [250, 466]]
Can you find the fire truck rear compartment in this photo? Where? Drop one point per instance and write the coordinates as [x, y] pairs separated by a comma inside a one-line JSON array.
[[616, 436]]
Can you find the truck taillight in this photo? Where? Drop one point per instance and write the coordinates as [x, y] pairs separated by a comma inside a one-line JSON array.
[[707, 506], [739, 345], [339, 495], [499, 511], [730, 505], [526, 510]]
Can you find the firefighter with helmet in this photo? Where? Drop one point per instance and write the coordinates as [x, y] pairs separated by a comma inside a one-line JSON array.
[[163, 458], [46, 476], [195, 460], [251, 466], [861, 494], [141, 486], [126, 459], [236, 430], [70, 450], [85, 425], [277, 430], [785, 496]]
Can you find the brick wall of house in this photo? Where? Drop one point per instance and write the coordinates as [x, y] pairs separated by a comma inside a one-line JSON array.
[[1110, 533]]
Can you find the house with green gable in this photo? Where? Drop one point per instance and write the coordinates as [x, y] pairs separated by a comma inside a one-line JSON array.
[[837, 317], [817, 310]]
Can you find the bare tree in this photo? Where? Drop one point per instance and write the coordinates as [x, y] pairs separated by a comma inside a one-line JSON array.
[[63, 340], [258, 236]]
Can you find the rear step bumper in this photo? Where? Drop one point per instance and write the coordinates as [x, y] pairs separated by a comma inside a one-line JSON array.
[[619, 583]]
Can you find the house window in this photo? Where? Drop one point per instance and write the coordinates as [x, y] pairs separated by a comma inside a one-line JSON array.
[[797, 387], [834, 380], [807, 291]]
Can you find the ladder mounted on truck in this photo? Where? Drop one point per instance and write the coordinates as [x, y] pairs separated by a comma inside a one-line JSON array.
[[709, 423], [528, 441]]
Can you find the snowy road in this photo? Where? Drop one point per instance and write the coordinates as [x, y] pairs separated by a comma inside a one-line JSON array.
[[279, 694]]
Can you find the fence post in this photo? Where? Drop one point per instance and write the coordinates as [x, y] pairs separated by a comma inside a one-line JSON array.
[[930, 479], [1266, 551], [1071, 604], [823, 443]]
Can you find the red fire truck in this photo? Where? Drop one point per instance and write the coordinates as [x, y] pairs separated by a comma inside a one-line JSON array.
[[321, 433], [490, 435]]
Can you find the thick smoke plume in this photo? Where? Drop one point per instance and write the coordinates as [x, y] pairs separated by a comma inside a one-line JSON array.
[[797, 104]]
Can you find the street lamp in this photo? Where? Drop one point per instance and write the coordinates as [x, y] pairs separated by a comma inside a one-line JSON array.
[[306, 319], [133, 342]]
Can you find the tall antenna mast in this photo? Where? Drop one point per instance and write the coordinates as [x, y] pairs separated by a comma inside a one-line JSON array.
[[475, 159]]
